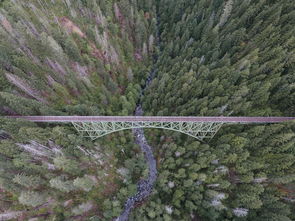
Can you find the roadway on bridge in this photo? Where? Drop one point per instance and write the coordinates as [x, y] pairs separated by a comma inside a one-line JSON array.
[[154, 119]]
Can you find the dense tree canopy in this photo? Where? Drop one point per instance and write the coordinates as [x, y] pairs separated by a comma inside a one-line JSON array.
[[209, 57]]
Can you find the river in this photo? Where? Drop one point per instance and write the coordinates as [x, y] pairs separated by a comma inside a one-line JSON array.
[[144, 186]]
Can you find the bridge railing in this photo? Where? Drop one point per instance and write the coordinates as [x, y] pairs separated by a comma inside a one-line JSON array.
[[154, 119]]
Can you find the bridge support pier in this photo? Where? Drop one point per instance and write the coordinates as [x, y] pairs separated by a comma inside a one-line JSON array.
[[198, 130]]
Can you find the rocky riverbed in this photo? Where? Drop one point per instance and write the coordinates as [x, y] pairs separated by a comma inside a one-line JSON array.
[[144, 186]]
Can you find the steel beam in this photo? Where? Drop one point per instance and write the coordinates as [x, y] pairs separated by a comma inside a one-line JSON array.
[[198, 130]]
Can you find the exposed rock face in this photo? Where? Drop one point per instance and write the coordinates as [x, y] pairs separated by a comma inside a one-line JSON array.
[[4, 135], [24, 86], [71, 27]]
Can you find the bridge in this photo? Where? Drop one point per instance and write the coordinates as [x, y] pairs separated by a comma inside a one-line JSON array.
[[197, 127]]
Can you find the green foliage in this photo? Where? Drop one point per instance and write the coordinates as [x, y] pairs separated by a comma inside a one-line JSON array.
[[67, 165], [85, 183], [22, 106], [30, 182], [92, 58], [61, 184], [72, 50], [30, 198]]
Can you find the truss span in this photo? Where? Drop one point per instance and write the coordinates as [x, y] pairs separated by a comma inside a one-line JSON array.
[[197, 127], [198, 130]]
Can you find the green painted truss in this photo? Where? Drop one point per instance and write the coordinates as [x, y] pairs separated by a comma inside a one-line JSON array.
[[198, 130]]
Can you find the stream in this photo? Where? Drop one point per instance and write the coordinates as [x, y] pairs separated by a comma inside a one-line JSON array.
[[144, 186]]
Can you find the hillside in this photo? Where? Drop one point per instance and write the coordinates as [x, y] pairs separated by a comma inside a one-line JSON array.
[[176, 58]]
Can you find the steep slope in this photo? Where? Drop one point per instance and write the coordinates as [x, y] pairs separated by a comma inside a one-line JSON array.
[[72, 55], [63, 57], [68, 58], [221, 57], [224, 58]]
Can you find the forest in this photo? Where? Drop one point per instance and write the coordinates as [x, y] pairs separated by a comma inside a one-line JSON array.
[[93, 58]]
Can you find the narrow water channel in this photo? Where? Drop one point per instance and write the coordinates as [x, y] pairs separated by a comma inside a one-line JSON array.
[[144, 186]]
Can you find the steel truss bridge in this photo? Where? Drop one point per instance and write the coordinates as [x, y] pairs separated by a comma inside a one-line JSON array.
[[197, 127]]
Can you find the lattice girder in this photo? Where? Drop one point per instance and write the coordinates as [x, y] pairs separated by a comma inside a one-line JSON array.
[[198, 130]]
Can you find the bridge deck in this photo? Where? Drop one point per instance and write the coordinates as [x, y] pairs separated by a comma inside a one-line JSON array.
[[153, 119]]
